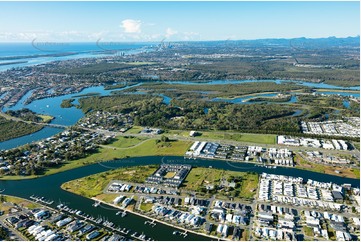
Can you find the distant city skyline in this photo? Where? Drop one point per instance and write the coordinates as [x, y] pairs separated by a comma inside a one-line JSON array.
[[175, 21]]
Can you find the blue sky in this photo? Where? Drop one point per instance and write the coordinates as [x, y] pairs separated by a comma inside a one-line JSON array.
[[153, 21]]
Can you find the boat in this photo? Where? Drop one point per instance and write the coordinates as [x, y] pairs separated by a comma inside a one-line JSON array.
[[151, 223], [96, 204], [119, 212], [124, 214]]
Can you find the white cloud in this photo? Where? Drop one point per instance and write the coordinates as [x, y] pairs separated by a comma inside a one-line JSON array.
[[189, 36], [170, 32], [131, 26]]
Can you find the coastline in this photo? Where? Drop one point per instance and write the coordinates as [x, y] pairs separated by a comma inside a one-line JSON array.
[[159, 221]]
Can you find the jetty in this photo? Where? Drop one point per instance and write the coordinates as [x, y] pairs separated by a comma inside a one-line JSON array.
[[151, 223]]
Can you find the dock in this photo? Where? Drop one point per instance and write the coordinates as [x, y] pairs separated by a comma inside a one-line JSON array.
[[151, 223]]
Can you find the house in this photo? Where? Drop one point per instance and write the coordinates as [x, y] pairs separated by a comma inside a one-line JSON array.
[[337, 196], [208, 227]]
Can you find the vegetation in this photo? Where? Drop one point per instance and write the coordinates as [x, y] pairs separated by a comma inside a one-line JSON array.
[[10, 129], [4, 199], [245, 182], [94, 185], [271, 99], [28, 115], [127, 141], [67, 103], [4, 233], [252, 138], [320, 168], [146, 207], [107, 153], [98, 68], [46, 118], [183, 91], [189, 115]]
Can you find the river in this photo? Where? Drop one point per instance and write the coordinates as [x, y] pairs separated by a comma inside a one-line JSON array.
[[69, 116], [49, 187]]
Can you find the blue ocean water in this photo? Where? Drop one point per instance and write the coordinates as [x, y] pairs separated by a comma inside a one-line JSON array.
[[41, 48], [35, 53]]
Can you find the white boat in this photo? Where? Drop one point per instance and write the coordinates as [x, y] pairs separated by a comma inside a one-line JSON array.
[[96, 204]]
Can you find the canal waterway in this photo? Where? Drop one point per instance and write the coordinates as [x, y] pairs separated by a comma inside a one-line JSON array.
[[49, 187]]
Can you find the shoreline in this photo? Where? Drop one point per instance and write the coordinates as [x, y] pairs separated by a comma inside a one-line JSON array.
[[157, 220], [15, 178]]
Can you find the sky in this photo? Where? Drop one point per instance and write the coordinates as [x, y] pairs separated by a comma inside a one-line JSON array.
[[175, 21]]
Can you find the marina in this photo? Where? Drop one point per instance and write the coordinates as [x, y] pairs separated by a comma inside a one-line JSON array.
[[103, 222], [49, 188], [41, 200], [151, 223]]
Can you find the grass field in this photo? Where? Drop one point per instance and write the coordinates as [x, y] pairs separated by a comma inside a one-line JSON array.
[[46, 118], [107, 152], [170, 174], [127, 141], [16, 200], [252, 138], [109, 198], [146, 207], [241, 137], [199, 177], [93, 185], [344, 172], [134, 130]]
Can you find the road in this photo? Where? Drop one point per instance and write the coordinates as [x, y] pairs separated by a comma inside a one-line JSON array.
[[193, 139]]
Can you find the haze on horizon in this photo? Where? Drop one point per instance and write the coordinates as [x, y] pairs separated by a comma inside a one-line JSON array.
[[175, 21]]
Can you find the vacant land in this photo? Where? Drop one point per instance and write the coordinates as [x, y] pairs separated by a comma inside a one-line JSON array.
[[331, 170], [212, 91], [224, 136], [151, 147], [127, 141], [46, 118], [252, 138], [6, 201], [245, 183], [93, 185]]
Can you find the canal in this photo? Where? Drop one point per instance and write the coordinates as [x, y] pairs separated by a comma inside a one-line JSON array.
[[49, 187]]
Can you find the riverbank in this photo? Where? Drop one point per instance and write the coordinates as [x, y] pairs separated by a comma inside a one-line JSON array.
[[150, 147], [159, 221]]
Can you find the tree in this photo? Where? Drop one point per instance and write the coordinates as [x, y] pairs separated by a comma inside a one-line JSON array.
[[164, 138]]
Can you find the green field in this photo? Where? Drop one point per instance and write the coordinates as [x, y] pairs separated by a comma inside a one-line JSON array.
[[93, 185], [146, 207], [197, 179], [108, 152], [320, 168], [46, 118], [127, 141], [134, 130], [246, 183], [241, 137], [15, 200], [252, 138]]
